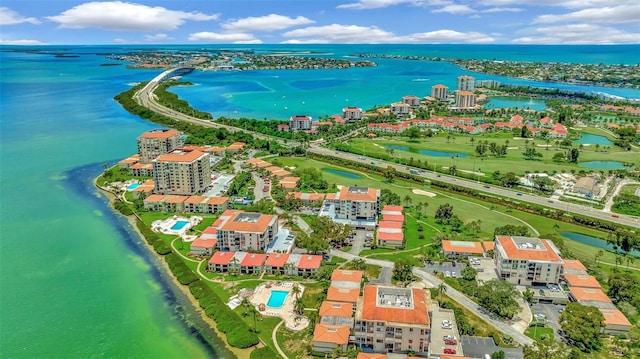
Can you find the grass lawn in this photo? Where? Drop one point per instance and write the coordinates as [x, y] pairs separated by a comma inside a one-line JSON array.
[[630, 189], [294, 343], [371, 271], [313, 295], [513, 161], [537, 333]]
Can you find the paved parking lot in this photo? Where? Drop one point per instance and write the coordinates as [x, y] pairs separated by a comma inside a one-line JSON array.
[[552, 314], [444, 267], [486, 270], [477, 347], [437, 344]]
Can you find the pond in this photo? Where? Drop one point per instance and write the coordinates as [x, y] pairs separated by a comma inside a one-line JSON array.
[[427, 152], [342, 173], [592, 241], [602, 165], [519, 102], [590, 139]]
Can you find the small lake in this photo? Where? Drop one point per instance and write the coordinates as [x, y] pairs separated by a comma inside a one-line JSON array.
[[342, 173], [427, 152], [590, 139], [512, 102], [602, 165], [592, 241]]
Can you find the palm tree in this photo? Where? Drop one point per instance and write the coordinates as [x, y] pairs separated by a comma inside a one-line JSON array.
[[556, 227], [358, 264], [629, 259], [599, 255], [419, 207], [442, 288], [288, 268], [298, 307], [424, 207], [407, 200], [296, 291], [246, 305], [619, 260]]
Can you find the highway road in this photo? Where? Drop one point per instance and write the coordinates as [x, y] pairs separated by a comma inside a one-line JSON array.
[[495, 190], [146, 98]]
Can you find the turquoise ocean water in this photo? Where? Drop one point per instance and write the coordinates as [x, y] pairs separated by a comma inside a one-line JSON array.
[[74, 281]]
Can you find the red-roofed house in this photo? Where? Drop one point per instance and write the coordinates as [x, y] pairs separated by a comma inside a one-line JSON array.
[[393, 218], [309, 264], [573, 266], [253, 263], [527, 261], [346, 278], [581, 280], [615, 322], [328, 337], [402, 312], [275, 263], [455, 249], [201, 246], [346, 295], [220, 261], [393, 210]]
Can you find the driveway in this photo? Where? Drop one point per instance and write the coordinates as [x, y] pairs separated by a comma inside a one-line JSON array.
[[358, 242], [384, 277], [257, 190], [444, 267], [477, 347], [551, 311]]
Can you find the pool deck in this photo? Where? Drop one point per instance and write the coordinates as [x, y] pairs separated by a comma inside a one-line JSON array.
[[261, 296]]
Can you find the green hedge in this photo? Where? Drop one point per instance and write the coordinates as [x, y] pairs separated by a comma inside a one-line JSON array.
[[264, 353], [122, 208], [161, 247], [180, 270], [147, 233]]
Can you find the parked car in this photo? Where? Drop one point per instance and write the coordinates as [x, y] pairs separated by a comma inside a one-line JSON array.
[[447, 274], [449, 351], [451, 342]]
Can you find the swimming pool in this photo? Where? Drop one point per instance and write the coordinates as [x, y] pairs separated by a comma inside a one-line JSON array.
[[132, 186], [179, 225], [276, 299]]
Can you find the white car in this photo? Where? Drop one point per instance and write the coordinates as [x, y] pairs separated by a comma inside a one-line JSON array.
[[447, 274], [454, 275]]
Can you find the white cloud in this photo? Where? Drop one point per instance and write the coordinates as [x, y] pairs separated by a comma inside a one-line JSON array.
[[455, 9], [266, 23], [354, 34], [21, 42], [10, 17], [375, 4], [158, 37], [577, 34], [118, 15], [614, 15], [569, 4], [502, 9], [238, 37]]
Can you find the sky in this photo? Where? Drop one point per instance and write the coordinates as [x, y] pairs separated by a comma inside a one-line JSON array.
[[34, 22]]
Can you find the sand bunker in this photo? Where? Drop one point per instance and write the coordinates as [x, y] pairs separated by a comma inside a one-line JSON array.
[[424, 193]]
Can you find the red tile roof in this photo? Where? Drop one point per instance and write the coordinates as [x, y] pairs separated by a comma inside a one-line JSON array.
[[310, 261], [222, 258], [389, 224], [217, 200], [336, 334], [391, 208], [348, 295], [180, 155], [154, 198], [462, 247], [542, 254], [371, 195], [277, 260], [573, 264], [195, 199], [415, 315], [589, 294], [393, 218], [343, 275], [204, 243], [386, 236], [336, 309], [253, 260], [586, 281], [176, 199], [160, 134], [488, 245], [614, 317]]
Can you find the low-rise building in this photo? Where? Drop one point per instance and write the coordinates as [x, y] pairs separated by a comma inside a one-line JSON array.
[[573, 266], [400, 108], [455, 249], [343, 278], [253, 263], [593, 297], [275, 263], [391, 319], [527, 261], [390, 233], [308, 264], [203, 246], [344, 295], [328, 337], [581, 280], [300, 123], [236, 147], [615, 322], [351, 113], [220, 261]]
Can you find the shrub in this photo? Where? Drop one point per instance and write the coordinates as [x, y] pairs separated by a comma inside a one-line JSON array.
[[161, 248], [263, 353], [242, 337], [122, 208]]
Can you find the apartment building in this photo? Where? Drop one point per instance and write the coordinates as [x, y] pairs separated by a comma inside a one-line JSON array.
[[358, 203], [183, 172], [241, 231], [465, 99], [413, 101], [391, 319], [466, 83], [300, 123], [400, 108], [527, 261], [154, 143], [351, 113], [440, 92]]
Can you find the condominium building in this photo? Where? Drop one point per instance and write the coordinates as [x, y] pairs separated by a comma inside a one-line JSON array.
[[413, 101], [154, 143], [358, 203], [184, 172], [465, 99], [351, 113], [399, 108], [241, 231], [440, 92], [300, 123], [391, 319], [466, 83], [527, 261]]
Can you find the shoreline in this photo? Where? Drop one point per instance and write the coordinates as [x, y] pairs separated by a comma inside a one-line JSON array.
[[164, 267]]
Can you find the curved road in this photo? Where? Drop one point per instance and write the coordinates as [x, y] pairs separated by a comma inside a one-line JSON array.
[[504, 192]]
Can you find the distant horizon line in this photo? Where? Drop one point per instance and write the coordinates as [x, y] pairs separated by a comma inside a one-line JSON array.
[[313, 44]]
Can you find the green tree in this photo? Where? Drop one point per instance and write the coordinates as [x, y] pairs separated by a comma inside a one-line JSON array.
[[531, 153], [527, 295], [402, 272], [298, 306], [442, 288], [623, 287], [389, 173], [444, 213], [499, 355], [573, 155], [389, 197], [407, 200], [546, 349], [499, 297], [412, 132], [581, 325], [359, 264], [469, 273]]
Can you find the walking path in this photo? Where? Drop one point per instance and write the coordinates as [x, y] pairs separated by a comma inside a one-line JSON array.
[[607, 206], [274, 337]]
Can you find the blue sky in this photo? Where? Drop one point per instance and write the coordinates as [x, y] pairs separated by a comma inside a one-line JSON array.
[[320, 21]]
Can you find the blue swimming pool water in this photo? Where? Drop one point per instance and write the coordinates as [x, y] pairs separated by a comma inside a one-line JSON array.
[[133, 186], [276, 299], [179, 225]]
